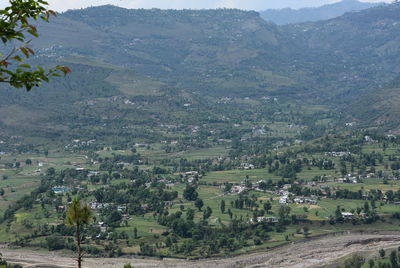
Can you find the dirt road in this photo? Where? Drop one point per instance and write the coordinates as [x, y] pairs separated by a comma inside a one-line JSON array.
[[311, 253]]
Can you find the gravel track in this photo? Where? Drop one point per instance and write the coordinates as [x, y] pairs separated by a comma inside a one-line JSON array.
[[315, 252]]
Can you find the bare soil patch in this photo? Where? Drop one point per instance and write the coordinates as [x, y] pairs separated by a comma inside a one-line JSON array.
[[314, 252]]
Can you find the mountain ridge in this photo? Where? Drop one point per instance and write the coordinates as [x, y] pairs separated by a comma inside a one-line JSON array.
[[204, 56], [309, 14]]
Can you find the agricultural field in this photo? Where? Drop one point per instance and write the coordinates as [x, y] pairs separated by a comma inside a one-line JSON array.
[[151, 201]]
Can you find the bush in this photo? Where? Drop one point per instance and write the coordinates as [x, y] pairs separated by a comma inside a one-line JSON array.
[[356, 261], [55, 242], [92, 250], [257, 241], [382, 253]]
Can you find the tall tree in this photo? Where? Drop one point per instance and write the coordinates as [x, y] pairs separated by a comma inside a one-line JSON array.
[[199, 203], [267, 206], [222, 206], [78, 215], [190, 193], [15, 29], [393, 259]]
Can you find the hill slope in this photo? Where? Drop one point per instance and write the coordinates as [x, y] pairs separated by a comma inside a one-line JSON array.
[[356, 53], [185, 46], [140, 67]]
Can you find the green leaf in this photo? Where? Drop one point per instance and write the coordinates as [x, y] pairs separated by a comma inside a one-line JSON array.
[[66, 70], [25, 51], [25, 66], [30, 50], [18, 58], [52, 13], [32, 32]]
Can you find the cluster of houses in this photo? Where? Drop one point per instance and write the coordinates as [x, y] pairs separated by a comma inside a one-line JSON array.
[[369, 139], [191, 176], [347, 215], [93, 173], [286, 198], [224, 100], [121, 208], [103, 227], [97, 205], [259, 131], [194, 129], [283, 200], [347, 180], [305, 200], [337, 154], [128, 102], [60, 189], [351, 178], [169, 184], [171, 126], [246, 166], [237, 189], [264, 219], [75, 144], [141, 145]]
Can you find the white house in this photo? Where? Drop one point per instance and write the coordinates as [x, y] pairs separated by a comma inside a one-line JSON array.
[[283, 200], [265, 219]]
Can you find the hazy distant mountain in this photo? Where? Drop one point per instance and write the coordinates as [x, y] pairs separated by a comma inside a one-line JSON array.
[[288, 15]]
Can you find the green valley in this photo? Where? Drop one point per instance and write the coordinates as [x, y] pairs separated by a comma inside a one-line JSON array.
[[204, 133]]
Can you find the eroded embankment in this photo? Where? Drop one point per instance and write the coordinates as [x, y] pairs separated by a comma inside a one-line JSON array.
[[314, 252]]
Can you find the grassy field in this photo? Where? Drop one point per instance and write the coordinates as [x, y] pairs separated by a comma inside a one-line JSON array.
[[20, 181], [237, 176], [157, 153]]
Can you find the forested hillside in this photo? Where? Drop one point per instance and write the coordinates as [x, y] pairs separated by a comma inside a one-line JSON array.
[[134, 67]]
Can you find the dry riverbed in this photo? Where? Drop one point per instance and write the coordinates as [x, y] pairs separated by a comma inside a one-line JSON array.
[[318, 252]]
